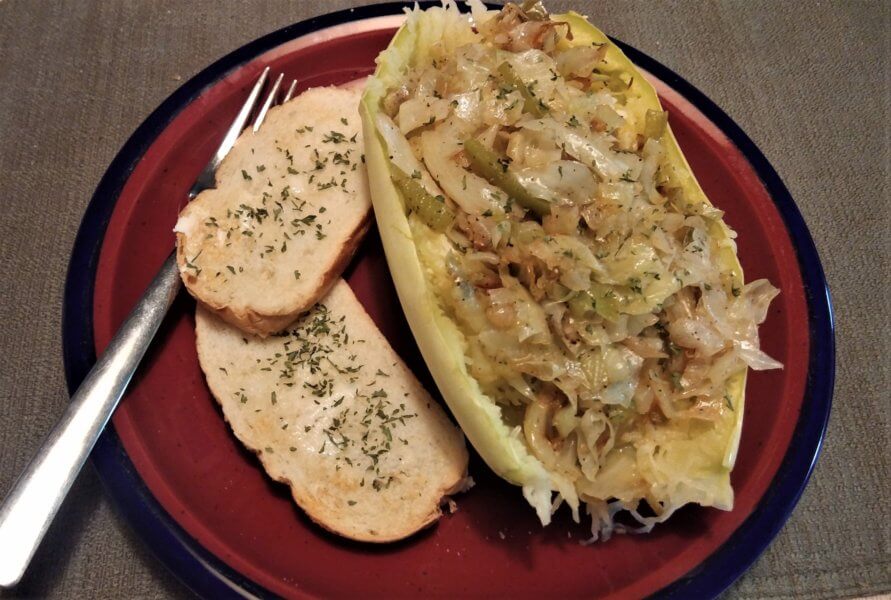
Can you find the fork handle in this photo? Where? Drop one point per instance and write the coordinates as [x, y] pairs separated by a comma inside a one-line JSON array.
[[30, 506]]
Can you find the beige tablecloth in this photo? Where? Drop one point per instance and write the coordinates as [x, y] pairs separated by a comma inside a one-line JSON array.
[[808, 81]]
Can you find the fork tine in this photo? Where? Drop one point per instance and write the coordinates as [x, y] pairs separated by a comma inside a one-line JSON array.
[[270, 98], [242, 118], [206, 178], [290, 93]]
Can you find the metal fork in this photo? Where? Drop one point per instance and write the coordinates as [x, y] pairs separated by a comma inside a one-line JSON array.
[[30, 506]]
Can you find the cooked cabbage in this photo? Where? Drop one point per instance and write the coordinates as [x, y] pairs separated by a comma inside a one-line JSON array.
[[584, 313]]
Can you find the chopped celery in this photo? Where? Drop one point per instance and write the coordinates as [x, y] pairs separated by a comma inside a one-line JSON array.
[[488, 165], [432, 210], [606, 301], [531, 104], [582, 304], [600, 299]]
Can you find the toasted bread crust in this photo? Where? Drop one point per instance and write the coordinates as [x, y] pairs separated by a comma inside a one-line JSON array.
[[339, 494], [256, 323], [289, 210]]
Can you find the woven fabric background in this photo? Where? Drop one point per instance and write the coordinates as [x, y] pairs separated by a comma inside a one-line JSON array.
[[808, 81]]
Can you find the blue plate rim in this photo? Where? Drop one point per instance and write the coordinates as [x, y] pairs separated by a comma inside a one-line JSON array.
[[207, 575]]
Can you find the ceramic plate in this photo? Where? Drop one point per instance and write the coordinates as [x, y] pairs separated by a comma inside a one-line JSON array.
[[203, 503]]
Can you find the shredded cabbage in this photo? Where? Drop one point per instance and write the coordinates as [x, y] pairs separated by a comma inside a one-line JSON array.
[[612, 327]]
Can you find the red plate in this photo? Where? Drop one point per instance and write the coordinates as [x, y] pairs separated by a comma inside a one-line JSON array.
[[243, 528]]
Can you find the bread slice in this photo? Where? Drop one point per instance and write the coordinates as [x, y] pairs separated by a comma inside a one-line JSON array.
[[290, 207], [332, 411]]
